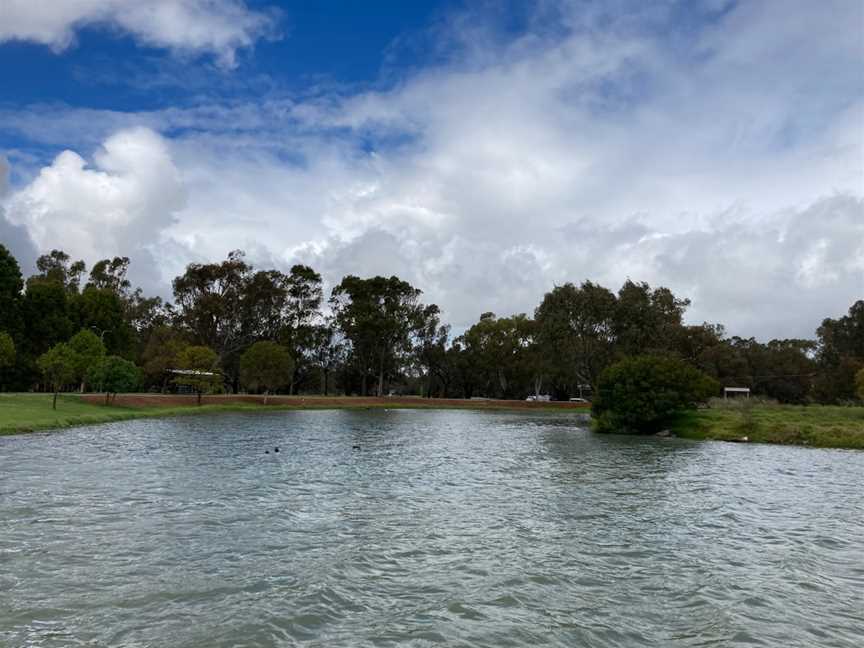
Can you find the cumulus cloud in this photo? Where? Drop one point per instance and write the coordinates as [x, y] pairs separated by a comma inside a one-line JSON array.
[[220, 27], [118, 204], [597, 150]]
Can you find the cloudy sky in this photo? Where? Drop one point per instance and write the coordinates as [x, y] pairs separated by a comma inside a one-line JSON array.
[[484, 151]]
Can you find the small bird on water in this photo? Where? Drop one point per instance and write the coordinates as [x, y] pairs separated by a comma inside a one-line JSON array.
[[277, 449]]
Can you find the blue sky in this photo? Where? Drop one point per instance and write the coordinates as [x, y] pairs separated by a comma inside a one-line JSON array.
[[484, 151]]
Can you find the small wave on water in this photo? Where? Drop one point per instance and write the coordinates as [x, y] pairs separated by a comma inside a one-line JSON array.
[[451, 528]]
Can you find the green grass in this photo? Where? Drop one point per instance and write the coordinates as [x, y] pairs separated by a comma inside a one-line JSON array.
[[29, 412], [820, 426]]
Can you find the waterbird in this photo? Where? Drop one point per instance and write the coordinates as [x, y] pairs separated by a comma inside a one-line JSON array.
[[277, 449], [356, 447], [266, 452]]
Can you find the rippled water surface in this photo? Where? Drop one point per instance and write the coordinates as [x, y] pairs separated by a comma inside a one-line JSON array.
[[419, 528]]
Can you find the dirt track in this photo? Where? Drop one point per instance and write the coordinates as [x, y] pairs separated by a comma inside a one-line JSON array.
[[173, 400]]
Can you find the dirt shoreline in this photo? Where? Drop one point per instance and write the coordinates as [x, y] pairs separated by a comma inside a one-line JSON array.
[[335, 402]]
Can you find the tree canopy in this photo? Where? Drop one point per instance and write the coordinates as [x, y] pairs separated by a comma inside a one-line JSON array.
[[266, 366], [639, 394], [376, 334]]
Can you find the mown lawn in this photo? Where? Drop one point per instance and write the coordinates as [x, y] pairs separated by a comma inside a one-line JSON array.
[[812, 425], [28, 412]]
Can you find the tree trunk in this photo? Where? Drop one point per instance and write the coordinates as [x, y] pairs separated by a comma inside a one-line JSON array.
[[199, 399], [381, 378], [266, 394], [54, 403], [107, 395], [363, 385]]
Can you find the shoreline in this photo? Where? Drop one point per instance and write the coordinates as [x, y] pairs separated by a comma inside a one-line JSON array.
[[812, 426], [76, 410]]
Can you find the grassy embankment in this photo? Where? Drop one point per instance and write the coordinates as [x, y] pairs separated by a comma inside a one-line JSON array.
[[820, 426], [29, 412]]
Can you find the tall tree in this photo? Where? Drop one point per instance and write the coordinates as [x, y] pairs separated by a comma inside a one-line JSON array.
[[209, 299], [11, 287], [55, 266], [159, 356], [576, 329], [302, 316], [430, 349], [377, 316], [7, 355], [500, 352], [646, 319], [840, 354], [110, 274]]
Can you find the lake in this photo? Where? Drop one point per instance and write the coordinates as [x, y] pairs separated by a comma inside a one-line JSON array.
[[423, 528]]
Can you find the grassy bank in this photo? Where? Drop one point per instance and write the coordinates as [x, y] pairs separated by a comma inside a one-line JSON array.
[[29, 412], [818, 426]]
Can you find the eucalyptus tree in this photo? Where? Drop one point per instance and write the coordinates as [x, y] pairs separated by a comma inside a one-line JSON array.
[[302, 318], [500, 351], [209, 299], [56, 266], [646, 319], [840, 354], [378, 317], [11, 288], [110, 274], [576, 331], [430, 349]]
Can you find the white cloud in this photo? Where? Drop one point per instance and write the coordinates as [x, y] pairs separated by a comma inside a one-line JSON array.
[[728, 167], [220, 27], [119, 204]]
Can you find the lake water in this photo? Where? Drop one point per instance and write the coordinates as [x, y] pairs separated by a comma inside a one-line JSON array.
[[452, 528]]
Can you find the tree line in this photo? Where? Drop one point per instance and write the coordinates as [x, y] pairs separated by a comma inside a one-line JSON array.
[[232, 327]]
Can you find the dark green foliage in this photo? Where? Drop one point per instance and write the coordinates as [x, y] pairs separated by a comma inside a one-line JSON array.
[[58, 366], [7, 355], [266, 366], [114, 375], [378, 316], [380, 338], [55, 267], [89, 352], [499, 354], [840, 355], [638, 395], [576, 333], [11, 287], [202, 366], [104, 311]]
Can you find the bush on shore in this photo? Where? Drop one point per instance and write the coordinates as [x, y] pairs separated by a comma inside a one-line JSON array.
[[639, 395]]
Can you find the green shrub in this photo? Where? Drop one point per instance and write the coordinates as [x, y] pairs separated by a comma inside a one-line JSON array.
[[638, 395]]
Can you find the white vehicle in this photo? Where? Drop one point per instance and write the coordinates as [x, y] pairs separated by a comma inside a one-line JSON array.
[[578, 400], [545, 398]]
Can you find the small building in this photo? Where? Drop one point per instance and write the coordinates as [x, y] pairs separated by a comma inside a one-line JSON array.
[[735, 392]]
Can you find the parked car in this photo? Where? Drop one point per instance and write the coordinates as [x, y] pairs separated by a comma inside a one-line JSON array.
[[540, 398], [578, 400]]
